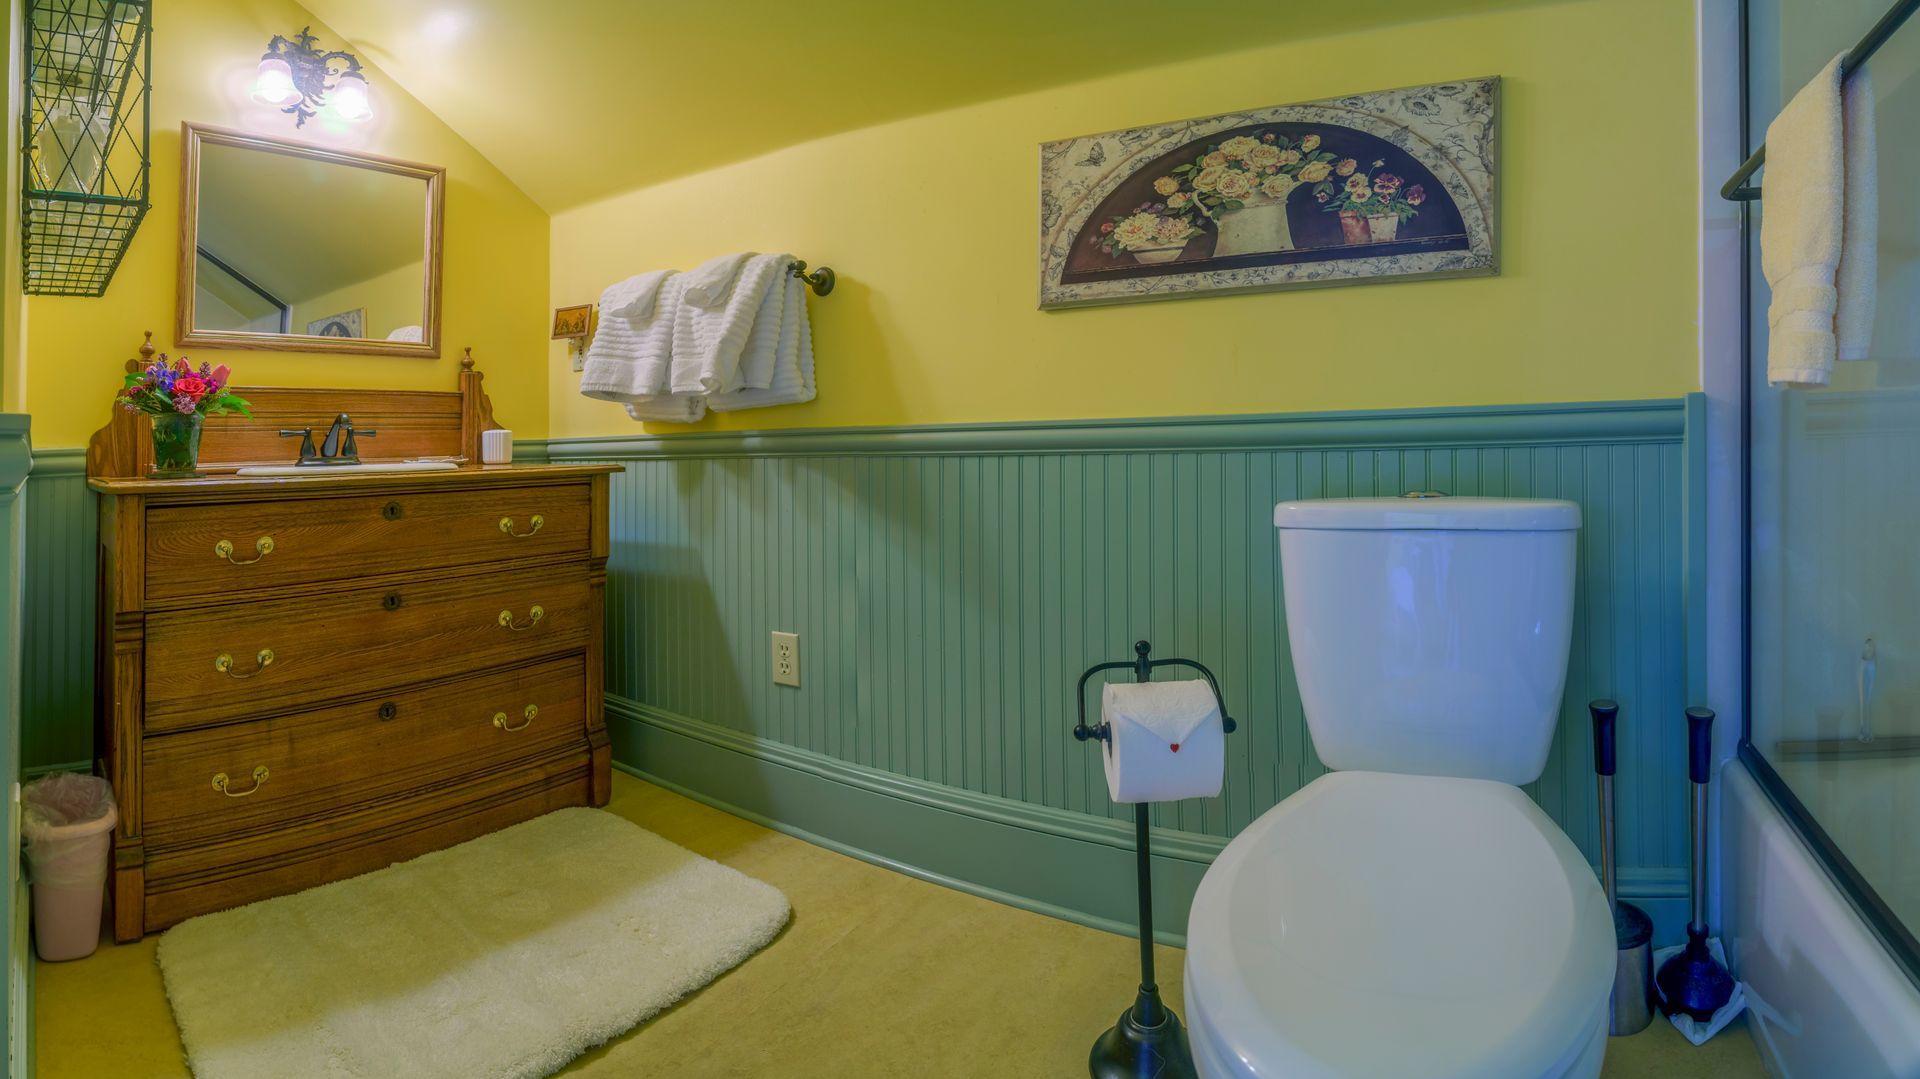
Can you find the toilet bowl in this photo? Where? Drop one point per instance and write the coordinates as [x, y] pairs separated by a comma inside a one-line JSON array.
[[1391, 925], [1413, 912]]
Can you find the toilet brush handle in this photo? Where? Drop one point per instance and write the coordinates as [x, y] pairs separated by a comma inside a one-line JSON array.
[[1604, 713], [1699, 762], [1699, 744]]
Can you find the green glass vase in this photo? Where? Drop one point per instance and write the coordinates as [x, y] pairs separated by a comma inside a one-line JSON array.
[[176, 445]]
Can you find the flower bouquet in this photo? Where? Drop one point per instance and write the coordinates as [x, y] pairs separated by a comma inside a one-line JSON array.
[[178, 398], [1242, 184], [1154, 232], [1371, 204]]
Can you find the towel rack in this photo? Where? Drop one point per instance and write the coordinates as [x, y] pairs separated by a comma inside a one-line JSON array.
[[1736, 189], [821, 280]]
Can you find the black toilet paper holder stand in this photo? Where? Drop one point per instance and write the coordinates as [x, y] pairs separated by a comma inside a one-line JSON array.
[[1148, 1039]]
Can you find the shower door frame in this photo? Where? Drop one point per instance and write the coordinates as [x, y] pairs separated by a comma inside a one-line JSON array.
[[1898, 939]]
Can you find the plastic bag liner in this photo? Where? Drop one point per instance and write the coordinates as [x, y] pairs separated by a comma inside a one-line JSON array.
[[60, 813]]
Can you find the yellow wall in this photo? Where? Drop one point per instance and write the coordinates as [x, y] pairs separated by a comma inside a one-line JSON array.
[[495, 275], [932, 224]]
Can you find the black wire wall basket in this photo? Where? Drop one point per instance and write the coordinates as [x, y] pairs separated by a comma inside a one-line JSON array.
[[85, 143]]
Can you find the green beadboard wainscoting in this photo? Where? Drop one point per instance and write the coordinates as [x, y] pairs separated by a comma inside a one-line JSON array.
[[949, 584], [62, 530], [16, 953]]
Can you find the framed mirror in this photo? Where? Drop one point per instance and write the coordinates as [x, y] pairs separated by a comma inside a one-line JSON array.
[[301, 248]]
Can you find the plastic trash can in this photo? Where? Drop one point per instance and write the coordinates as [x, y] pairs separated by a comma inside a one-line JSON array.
[[68, 820]]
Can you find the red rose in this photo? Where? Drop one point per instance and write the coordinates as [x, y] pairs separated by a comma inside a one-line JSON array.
[[191, 387]]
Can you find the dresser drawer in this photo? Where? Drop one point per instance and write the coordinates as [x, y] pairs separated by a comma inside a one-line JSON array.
[[228, 782], [238, 661], [182, 881], [210, 550]]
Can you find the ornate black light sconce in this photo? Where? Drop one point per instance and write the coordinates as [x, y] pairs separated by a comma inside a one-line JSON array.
[[297, 78]]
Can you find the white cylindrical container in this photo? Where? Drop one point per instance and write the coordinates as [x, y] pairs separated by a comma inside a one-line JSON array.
[[496, 447]]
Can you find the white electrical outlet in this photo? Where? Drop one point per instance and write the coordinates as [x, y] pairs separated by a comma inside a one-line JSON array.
[[786, 659]]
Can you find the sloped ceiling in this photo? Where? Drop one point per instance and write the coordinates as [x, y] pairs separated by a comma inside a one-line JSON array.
[[579, 99]]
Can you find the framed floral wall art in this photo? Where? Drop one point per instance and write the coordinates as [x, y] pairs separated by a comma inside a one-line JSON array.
[[1382, 186]]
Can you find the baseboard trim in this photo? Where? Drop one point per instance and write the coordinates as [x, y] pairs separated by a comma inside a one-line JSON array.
[[1064, 865], [1023, 856]]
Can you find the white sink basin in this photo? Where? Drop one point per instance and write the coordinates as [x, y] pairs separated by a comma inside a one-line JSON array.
[[336, 470]]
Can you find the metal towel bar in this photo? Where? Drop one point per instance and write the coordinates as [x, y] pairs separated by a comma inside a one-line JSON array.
[[1736, 189]]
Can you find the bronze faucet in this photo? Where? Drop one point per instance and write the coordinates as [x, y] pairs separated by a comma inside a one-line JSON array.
[[338, 448]]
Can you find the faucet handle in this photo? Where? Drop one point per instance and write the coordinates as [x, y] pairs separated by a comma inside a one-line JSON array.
[[350, 447], [305, 435]]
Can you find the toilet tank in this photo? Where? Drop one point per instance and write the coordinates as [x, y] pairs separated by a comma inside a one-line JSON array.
[[1430, 633]]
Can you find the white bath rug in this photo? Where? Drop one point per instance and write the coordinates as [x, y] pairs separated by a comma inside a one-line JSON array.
[[505, 956]]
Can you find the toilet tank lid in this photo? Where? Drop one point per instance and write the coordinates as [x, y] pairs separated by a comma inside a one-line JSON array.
[[1449, 513]]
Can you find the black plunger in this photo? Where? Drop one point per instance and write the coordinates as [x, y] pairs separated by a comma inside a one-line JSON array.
[[1630, 1009], [1693, 981]]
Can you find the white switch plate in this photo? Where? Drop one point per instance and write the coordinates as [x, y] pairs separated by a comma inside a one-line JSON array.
[[786, 659]]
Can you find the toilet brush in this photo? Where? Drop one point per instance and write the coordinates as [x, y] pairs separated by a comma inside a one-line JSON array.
[[1631, 1008], [1693, 981]]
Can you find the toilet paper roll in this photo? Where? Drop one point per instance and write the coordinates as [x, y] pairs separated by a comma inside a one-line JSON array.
[[1164, 742]]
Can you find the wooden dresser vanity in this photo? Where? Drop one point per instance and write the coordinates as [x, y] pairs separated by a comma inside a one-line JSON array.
[[307, 677]]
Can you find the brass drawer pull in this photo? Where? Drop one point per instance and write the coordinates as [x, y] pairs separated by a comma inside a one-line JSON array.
[[500, 719], [224, 663], [534, 615], [220, 783], [262, 548], [506, 525]]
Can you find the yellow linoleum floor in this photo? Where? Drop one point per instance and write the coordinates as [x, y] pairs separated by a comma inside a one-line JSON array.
[[879, 974]]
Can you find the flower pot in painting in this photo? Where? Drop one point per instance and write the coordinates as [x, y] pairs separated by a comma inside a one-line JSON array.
[[1154, 256], [1353, 228], [176, 444], [1382, 227], [1258, 227]]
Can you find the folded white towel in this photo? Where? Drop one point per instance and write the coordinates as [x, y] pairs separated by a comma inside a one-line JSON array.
[[777, 365], [709, 341], [708, 284], [633, 298], [1819, 228], [632, 350]]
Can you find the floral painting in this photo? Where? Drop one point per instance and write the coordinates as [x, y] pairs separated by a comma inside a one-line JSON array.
[[1387, 185]]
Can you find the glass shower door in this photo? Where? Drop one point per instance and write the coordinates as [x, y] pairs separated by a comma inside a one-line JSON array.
[[1834, 505]]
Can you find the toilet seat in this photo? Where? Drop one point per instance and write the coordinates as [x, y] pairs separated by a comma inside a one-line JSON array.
[[1399, 925]]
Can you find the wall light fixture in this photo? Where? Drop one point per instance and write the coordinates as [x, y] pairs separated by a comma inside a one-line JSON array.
[[297, 78]]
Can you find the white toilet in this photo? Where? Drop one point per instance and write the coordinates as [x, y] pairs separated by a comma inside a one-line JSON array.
[[1412, 913]]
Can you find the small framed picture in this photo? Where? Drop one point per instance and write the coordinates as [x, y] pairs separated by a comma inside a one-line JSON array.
[[573, 323], [345, 324]]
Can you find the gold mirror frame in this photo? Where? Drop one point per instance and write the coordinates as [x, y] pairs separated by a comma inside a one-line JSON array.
[[192, 137]]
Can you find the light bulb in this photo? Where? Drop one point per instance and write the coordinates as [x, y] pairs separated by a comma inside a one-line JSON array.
[[348, 99], [273, 83]]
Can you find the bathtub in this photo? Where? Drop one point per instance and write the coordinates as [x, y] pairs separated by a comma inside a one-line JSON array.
[[1827, 1000]]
